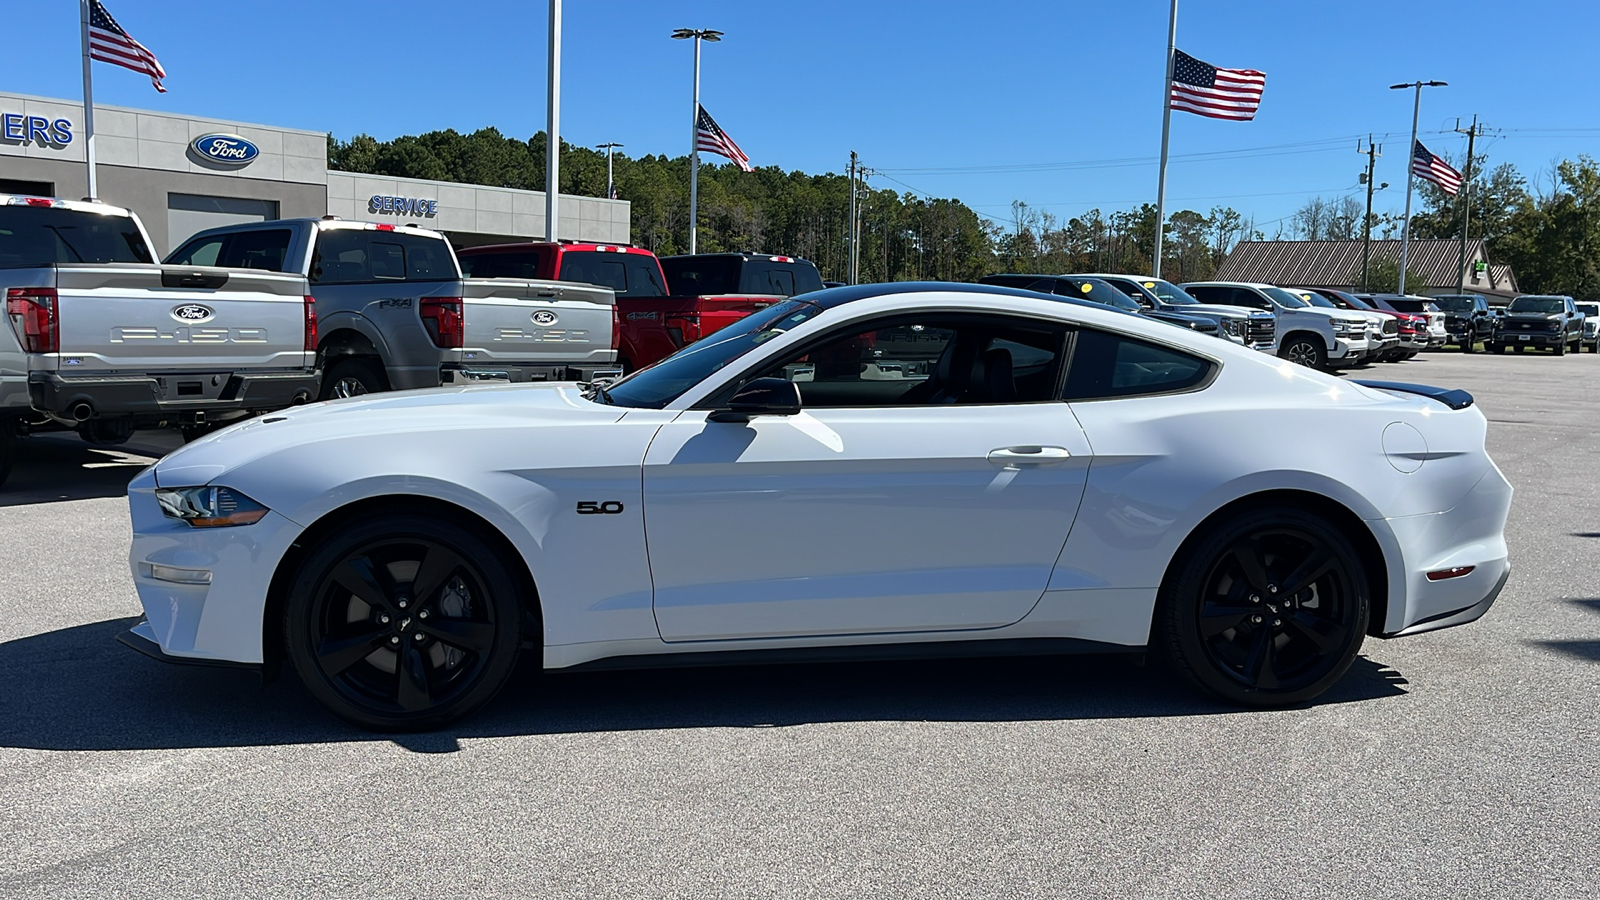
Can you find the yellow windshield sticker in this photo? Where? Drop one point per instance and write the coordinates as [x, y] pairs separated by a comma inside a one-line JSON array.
[[1087, 287]]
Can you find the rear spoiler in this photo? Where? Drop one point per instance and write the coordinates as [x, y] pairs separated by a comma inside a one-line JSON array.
[[1455, 399]]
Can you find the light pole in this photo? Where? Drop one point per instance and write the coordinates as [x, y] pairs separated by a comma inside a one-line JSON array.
[[552, 150], [699, 34], [1411, 153], [611, 193]]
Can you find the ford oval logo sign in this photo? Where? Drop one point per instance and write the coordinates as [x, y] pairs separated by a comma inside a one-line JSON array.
[[225, 149], [544, 317], [193, 312]]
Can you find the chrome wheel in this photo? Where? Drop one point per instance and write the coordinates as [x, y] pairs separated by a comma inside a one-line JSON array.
[[348, 386]]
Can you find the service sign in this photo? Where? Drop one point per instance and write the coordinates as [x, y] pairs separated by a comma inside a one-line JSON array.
[[225, 149], [403, 206]]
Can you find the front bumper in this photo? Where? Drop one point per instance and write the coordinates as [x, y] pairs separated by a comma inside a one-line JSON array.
[[143, 639], [521, 373], [170, 396], [1531, 338], [1349, 349]]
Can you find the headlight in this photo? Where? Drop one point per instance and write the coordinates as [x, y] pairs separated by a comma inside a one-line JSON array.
[[209, 507], [1341, 327], [1555, 326]]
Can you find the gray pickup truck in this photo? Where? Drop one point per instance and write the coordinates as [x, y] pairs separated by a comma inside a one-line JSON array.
[[395, 312], [102, 340]]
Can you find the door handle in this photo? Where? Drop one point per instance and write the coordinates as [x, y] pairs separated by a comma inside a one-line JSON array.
[[1028, 455]]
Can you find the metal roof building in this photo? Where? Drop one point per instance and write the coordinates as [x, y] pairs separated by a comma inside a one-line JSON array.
[[1337, 264]]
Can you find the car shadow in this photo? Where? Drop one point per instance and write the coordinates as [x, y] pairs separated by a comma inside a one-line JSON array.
[[77, 689], [51, 468]]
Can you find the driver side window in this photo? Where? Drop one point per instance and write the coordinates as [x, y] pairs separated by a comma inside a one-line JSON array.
[[929, 362]]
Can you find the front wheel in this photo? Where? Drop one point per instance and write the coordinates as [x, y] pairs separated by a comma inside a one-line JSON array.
[[1467, 346], [402, 623], [1304, 351], [1561, 348], [1269, 609]]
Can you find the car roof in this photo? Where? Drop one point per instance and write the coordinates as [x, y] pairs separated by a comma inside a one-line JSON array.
[[92, 206], [563, 246], [828, 298]]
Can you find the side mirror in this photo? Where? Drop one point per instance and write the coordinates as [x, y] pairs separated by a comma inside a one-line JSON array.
[[760, 397]]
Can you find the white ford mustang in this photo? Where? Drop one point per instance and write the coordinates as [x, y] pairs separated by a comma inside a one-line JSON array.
[[885, 471]]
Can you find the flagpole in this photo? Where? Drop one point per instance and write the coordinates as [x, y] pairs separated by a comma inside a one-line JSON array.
[[694, 154], [552, 149], [1411, 177], [1166, 132], [88, 100]]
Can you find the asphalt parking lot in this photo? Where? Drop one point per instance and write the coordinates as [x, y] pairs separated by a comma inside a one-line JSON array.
[[1456, 764]]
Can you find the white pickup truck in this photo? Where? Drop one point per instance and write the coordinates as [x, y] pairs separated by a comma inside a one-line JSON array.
[[103, 340], [397, 314]]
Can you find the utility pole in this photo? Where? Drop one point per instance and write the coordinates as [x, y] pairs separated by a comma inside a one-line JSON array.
[[1466, 202], [850, 265], [1373, 151], [552, 149], [611, 188]]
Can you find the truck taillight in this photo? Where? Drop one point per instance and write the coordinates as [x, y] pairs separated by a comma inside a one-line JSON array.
[[683, 328], [311, 324], [442, 317], [33, 315], [616, 328]]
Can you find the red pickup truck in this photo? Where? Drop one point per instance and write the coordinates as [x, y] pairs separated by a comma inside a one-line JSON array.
[[661, 304]]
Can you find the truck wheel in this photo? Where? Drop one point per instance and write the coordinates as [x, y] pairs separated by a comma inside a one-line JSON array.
[[1467, 345], [351, 378], [1561, 348], [1305, 351], [8, 447]]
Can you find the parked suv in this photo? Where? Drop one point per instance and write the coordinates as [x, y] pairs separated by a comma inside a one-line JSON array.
[[1591, 325], [1467, 319], [1540, 320], [1383, 334], [1308, 335], [1252, 328], [396, 313], [1399, 329], [1096, 291]]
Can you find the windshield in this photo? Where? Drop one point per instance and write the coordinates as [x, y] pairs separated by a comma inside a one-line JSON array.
[[1097, 291], [39, 236], [1315, 299], [1454, 304], [1537, 305], [1168, 291], [1288, 299], [662, 383]]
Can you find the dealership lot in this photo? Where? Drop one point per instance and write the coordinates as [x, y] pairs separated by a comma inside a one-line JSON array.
[[1456, 764]]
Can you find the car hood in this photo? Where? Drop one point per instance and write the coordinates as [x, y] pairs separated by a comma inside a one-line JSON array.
[[1530, 317], [399, 413], [1215, 309]]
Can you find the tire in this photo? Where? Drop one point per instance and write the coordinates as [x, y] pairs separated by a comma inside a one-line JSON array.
[[352, 377], [363, 654], [1467, 346], [1222, 624], [1561, 348], [1304, 350], [8, 448]]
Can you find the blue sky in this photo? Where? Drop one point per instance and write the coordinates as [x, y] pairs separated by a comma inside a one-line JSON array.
[[918, 89]]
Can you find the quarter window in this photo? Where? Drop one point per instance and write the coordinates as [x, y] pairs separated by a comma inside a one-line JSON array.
[[1106, 366], [351, 256]]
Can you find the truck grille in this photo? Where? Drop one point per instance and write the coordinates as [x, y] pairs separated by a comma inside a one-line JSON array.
[[1263, 330], [1391, 326]]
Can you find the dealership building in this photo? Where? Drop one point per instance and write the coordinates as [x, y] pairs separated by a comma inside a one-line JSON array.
[[182, 174]]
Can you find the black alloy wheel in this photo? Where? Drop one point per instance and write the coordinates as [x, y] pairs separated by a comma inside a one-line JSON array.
[[351, 378], [400, 623], [1304, 351], [1268, 610]]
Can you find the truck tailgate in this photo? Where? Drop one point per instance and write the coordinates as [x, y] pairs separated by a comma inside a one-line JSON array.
[[150, 319], [718, 312], [515, 320]]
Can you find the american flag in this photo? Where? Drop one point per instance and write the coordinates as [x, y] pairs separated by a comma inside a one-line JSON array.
[[109, 43], [1428, 167], [710, 138], [1206, 90]]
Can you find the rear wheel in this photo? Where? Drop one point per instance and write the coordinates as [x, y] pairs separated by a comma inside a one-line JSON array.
[[400, 623], [1268, 609], [352, 377], [8, 447]]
